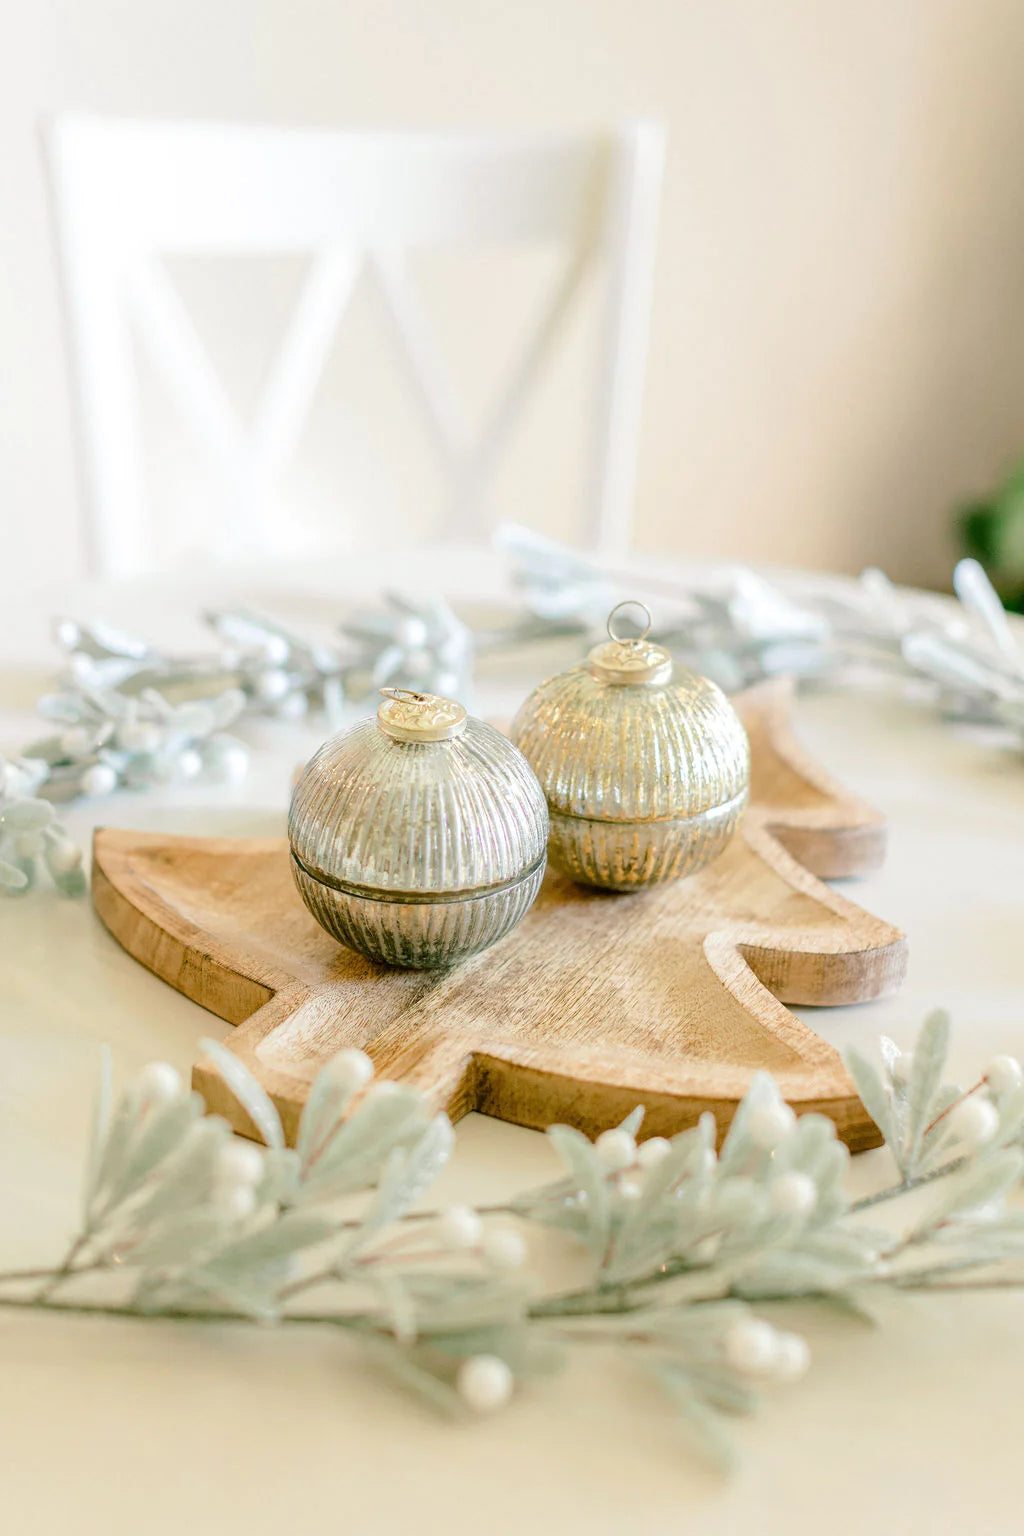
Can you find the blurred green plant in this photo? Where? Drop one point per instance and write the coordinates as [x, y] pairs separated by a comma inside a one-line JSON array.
[[992, 531]]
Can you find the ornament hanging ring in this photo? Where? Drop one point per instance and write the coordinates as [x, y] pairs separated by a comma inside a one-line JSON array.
[[630, 602], [405, 695]]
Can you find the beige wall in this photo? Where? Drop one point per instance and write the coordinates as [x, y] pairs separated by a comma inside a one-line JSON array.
[[838, 342]]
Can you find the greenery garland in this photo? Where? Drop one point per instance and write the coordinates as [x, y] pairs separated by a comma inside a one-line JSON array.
[[681, 1245]]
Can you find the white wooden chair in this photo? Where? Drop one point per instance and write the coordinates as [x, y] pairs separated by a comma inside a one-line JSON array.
[[127, 193]]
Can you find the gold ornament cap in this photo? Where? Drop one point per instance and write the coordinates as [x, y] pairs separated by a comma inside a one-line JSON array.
[[622, 662], [407, 715]]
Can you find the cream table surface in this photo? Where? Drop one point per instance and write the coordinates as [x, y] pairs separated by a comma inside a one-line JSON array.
[[117, 1426]]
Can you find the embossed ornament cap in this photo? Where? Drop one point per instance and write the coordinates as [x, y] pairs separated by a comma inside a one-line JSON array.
[[419, 835], [407, 715], [627, 661], [645, 766]]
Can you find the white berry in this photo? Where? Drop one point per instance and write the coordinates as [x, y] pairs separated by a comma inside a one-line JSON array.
[[616, 1149], [1003, 1074], [750, 1346], [159, 1082], [503, 1248], [229, 759], [793, 1194], [350, 1070], [272, 685], [239, 1163], [484, 1382], [190, 763], [100, 779], [63, 856], [770, 1124], [411, 633], [276, 649], [975, 1121], [459, 1226], [653, 1151], [792, 1357]]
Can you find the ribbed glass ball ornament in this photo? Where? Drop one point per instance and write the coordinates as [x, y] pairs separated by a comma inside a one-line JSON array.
[[645, 766], [418, 837]]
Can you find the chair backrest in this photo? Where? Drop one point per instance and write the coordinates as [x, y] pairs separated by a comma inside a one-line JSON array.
[[127, 194]]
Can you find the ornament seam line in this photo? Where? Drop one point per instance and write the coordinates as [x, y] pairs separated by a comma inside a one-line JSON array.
[[405, 898]]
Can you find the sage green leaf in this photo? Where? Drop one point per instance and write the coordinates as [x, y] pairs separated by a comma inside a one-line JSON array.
[[705, 1428], [12, 877], [280, 1182], [70, 882], [734, 1205], [355, 1154], [161, 1133], [935, 1135], [398, 1304], [27, 815], [930, 1052], [118, 1143], [1011, 1117], [252, 1096], [587, 1172], [720, 1389], [737, 1147], [807, 1148], [891, 1055], [408, 1173], [650, 1233], [448, 1301], [290, 1234], [203, 1292], [776, 1275], [874, 1098], [324, 1110], [186, 1180], [179, 1240], [633, 1121], [407, 1369], [981, 1181]]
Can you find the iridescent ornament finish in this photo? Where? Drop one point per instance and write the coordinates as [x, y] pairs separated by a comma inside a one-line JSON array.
[[646, 767], [418, 837]]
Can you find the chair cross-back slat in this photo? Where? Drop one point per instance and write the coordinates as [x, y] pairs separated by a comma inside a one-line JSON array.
[[127, 194]]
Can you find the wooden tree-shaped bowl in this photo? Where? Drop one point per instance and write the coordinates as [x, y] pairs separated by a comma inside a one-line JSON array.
[[671, 998]]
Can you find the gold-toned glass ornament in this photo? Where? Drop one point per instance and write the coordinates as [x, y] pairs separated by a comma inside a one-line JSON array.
[[645, 766], [418, 837]]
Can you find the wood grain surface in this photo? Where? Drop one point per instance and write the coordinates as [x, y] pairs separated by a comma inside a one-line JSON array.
[[670, 997]]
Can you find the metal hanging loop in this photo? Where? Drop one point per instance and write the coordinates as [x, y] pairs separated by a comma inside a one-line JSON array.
[[629, 602]]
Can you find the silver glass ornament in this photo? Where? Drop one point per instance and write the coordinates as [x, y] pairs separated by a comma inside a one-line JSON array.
[[646, 767], [418, 837]]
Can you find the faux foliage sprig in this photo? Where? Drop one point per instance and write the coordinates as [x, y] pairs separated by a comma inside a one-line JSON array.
[[30, 834], [684, 1245], [745, 628], [129, 716]]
